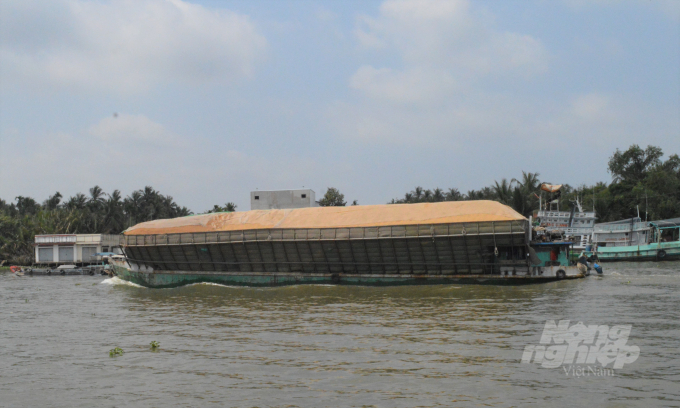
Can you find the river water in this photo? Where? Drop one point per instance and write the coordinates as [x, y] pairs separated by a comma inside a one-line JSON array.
[[318, 345]]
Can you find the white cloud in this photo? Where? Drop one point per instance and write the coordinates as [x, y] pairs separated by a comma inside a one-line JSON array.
[[591, 106], [126, 128], [460, 99], [129, 152], [669, 8], [441, 43], [413, 85], [125, 46]]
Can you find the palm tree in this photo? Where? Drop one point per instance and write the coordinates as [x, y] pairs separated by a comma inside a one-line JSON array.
[[526, 201], [503, 191], [97, 196], [453, 195], [133, 206], [53, 202], [114, 215], [78, 202], [418, 193], [231, 207], [438, 195]]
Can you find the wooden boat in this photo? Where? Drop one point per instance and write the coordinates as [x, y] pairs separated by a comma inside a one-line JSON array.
[[426, 243]]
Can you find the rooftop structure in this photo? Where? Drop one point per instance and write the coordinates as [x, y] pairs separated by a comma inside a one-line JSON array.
[[282, 199]]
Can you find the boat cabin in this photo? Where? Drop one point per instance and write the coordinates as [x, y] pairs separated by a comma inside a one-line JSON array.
[[551, 253], [666, 230]]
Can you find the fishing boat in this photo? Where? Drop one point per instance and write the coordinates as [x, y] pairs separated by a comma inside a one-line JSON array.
[[397, 244], [636, 240]]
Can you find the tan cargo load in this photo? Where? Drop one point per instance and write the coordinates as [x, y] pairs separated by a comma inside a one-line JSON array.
[[449, 212]]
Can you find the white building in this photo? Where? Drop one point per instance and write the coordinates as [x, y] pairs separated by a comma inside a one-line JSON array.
[[282, 199], [74, 248]]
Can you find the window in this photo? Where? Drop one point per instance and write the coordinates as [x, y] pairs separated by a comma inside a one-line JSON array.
[[105, 249], [304, 196], [257, 197]]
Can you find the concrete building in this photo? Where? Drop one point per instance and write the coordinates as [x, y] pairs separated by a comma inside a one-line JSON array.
[[281, 199], [74, 248]]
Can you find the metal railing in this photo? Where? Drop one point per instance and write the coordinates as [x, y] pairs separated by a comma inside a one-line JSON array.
[[621, 227], [564, 214], [330, 234], [49, 239]]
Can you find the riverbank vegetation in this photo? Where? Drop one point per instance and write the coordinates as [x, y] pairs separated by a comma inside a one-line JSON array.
[[641, 180], [95, 213]]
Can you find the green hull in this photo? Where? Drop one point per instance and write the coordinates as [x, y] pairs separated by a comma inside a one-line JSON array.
[[665, 251], [170, 279]]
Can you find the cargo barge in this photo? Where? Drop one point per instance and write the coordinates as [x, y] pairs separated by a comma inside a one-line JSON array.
[[397, 244]]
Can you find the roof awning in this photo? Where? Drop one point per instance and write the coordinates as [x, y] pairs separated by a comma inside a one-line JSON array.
[[671, 223]]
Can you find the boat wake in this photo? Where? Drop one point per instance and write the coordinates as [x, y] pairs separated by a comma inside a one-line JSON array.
[[118, 281], [212, 284]]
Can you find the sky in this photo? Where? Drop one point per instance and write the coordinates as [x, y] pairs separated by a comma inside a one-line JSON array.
[[208, 100]]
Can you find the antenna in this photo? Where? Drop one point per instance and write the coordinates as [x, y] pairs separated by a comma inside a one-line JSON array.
[[646, 205]]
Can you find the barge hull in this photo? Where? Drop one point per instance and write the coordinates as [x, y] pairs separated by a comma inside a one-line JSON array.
[[170, 279]]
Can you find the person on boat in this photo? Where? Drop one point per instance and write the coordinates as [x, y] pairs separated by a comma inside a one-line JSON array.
[[597, 268], [554, 254], [582, 263]]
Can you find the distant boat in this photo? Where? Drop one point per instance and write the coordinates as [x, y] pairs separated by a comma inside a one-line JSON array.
[[636, 240]]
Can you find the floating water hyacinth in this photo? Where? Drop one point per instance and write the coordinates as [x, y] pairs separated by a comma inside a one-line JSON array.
[[154, 345], [116, 352]]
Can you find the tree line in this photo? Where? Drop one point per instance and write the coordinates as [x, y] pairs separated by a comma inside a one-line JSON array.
[[95, 213], [641, 181]]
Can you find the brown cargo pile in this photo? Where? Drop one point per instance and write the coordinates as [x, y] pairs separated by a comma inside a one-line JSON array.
[[334, 217]]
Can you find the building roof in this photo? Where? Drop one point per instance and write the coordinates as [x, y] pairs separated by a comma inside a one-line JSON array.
[[334, 217]]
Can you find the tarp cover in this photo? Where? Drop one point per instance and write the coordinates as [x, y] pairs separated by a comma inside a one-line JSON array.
[[333, 217], [551, 188]]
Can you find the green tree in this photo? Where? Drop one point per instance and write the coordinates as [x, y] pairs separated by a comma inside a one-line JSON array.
[[332, 198], [52, 203], [524, 200], [632, 166], [228, 207], [27, 205], [503, 191]]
